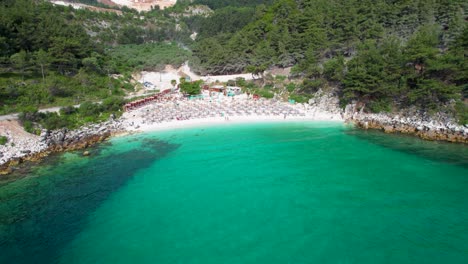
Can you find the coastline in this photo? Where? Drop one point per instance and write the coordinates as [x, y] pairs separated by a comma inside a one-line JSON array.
[[324, 107], [35, 148], [215, 121], [426, 128], [121, 128], [63, 140]]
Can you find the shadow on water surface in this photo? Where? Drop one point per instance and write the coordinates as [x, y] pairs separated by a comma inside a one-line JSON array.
[[43, 211], [451, 153]]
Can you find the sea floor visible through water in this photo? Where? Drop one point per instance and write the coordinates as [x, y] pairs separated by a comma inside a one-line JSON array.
[[292, 192]]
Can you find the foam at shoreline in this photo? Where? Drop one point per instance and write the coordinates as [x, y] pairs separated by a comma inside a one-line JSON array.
[[211, 121]]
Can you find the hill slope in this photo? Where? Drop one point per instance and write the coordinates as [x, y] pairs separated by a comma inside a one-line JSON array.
[[385, 54]]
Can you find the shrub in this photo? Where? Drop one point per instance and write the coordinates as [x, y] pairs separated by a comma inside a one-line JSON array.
[[54, 121], [113, 103], [461, 113], [379, 105], [128, 87], [68, 110], [3, 140], [311, 86], [191, 88], [241, 82], [265, 93], [28, 126], [291, 87], [89, 109], [280, 77], [300, 98]]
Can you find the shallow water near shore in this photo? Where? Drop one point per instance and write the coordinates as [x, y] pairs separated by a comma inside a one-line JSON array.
[[298, 192]]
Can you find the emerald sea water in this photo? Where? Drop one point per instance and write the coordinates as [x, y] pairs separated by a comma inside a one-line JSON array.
[[308, 192]]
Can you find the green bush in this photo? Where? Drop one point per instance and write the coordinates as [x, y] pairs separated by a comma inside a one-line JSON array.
[[191, 88], [68, 110], [241, 82], [28, 126], [265, 93], [380, 105], [291, 87], [299, 98], [113, 103], [89, 109], [280, 78], [311, 86], [128, 87], [3, 140], [54, 121], [461, 113]]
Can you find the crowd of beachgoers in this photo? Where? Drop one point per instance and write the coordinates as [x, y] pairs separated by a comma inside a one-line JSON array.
[[174, 110]]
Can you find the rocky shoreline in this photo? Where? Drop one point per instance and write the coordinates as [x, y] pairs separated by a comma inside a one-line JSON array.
[[324, 106], [438, 128], [435, 127], [61, 140]]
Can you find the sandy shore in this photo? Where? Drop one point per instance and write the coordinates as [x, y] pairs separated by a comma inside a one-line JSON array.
[[176, 112], [214, 121]]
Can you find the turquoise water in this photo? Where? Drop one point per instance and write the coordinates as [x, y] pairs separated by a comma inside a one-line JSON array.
[[265, 193]]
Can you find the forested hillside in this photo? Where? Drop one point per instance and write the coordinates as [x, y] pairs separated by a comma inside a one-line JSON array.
[[291, 31], [383, 53], [54, 55], [60, 56]]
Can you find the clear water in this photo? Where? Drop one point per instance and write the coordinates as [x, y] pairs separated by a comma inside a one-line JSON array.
[[265, 193]]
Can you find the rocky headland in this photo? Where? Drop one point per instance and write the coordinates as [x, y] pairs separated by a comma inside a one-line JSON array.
[[34, 148], [438, 126]]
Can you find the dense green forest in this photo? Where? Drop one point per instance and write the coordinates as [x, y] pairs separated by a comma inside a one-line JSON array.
[[58, 56], [386, 54], [54, 55]]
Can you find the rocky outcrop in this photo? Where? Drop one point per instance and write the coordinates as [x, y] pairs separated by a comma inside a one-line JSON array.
[[19, 142], [63, 140], [438, 126], [325, 104]]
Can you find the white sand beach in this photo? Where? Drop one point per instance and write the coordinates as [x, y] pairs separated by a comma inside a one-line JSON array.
[[211, 121], [175, 111]]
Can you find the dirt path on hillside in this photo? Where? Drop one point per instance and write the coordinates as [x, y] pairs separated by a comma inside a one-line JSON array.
[[14, 130]]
